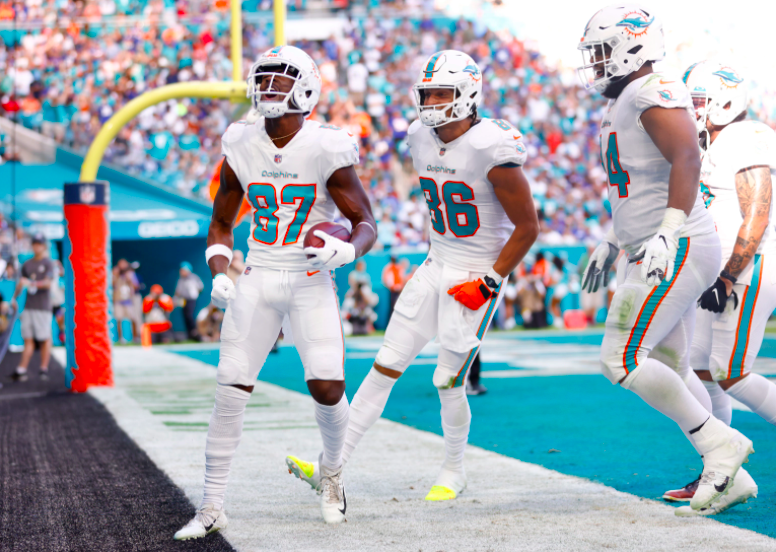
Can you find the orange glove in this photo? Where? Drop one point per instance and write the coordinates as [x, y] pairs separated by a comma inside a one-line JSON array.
[[472, 294]]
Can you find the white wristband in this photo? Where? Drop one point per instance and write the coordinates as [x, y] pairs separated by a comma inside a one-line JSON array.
[[674, 219], [495, 275], [218, 249]]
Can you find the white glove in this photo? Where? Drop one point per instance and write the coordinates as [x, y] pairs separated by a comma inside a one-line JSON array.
[[334, 253], [659, 253], [600, 264], [223, 291]]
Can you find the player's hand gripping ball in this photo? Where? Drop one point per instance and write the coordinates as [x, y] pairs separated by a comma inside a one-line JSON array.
[[472, 294], [327, 246], [223, 291]]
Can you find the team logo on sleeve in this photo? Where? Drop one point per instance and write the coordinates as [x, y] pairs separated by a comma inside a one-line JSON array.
[[636, 23], [729, 77], [278, 158], [520, 148], [666, 95]]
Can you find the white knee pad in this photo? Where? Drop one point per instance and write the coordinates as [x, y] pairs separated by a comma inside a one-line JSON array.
[[452, 368], [611, 361], [444, 377], [233, 365], [400, 347]]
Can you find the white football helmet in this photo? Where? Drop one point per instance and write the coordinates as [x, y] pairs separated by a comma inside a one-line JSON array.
[[291, 62], [448, 69], [718, 93], [633, 35]]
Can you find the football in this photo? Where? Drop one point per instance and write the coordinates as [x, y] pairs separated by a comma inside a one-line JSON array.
[[331, 228]]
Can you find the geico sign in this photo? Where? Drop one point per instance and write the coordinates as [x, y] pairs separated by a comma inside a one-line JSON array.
[[168, 229]]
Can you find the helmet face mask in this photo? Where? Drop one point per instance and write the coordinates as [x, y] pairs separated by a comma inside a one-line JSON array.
[[284, 80], [448, 70]]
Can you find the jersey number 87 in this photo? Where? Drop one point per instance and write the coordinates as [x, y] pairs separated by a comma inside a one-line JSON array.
[[463, 218], [264, 200]]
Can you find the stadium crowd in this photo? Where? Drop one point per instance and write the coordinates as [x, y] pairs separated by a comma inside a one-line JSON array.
[[67, 81]]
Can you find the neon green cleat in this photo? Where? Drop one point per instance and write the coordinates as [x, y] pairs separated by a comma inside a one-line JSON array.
[[448, 485], [439, 492], [309, 472]]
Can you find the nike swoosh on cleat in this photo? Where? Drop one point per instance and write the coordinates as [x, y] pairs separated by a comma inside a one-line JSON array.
[[720, 488], [664, 241], [209, 527], [344, 503]]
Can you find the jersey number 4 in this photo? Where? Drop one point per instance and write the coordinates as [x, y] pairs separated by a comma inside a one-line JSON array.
[[462, 216], [263, 197], [617, 175]]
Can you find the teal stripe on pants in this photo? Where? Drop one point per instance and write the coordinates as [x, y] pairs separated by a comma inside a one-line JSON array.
[[738, 360], [461, 377], [645, 316]]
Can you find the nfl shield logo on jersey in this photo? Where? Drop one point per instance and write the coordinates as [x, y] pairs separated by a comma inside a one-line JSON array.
[[442, 152], [278, 158]]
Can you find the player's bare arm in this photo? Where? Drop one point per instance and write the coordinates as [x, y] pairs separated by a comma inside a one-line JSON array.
[[674, 133], [225, 208], [754, 190], [514, 194], [348, 194]]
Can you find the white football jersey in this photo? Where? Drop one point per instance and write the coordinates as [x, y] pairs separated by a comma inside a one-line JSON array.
[[469, 225], [738, 146], [638, 172], [286, 186]]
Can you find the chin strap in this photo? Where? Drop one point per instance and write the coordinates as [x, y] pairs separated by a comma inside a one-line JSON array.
[[253, 116]]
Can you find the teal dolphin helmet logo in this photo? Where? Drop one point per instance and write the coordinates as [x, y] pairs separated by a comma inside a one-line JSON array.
[[729, 77], [635, 23]]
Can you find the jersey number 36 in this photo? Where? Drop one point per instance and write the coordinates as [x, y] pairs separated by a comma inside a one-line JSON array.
[[462, 216]]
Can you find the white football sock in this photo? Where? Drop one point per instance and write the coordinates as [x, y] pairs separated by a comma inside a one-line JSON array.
[[333, 422], [758, 394], [663, 389], [720, 402], [456, 419], [696, 387], [223, 436], [366, 407]]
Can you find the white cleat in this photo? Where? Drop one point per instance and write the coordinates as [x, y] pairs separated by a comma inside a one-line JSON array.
[[207, 520], [448, 485], [333, 500], [743, 489], [309, 472], [724, 450]]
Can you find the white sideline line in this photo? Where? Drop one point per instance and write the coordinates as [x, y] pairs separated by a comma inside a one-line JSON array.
[[510, 505]]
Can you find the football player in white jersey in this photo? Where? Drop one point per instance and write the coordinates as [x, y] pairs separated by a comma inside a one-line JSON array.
[[650, 152], [739, 159], [296, 173], [483, 223]]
